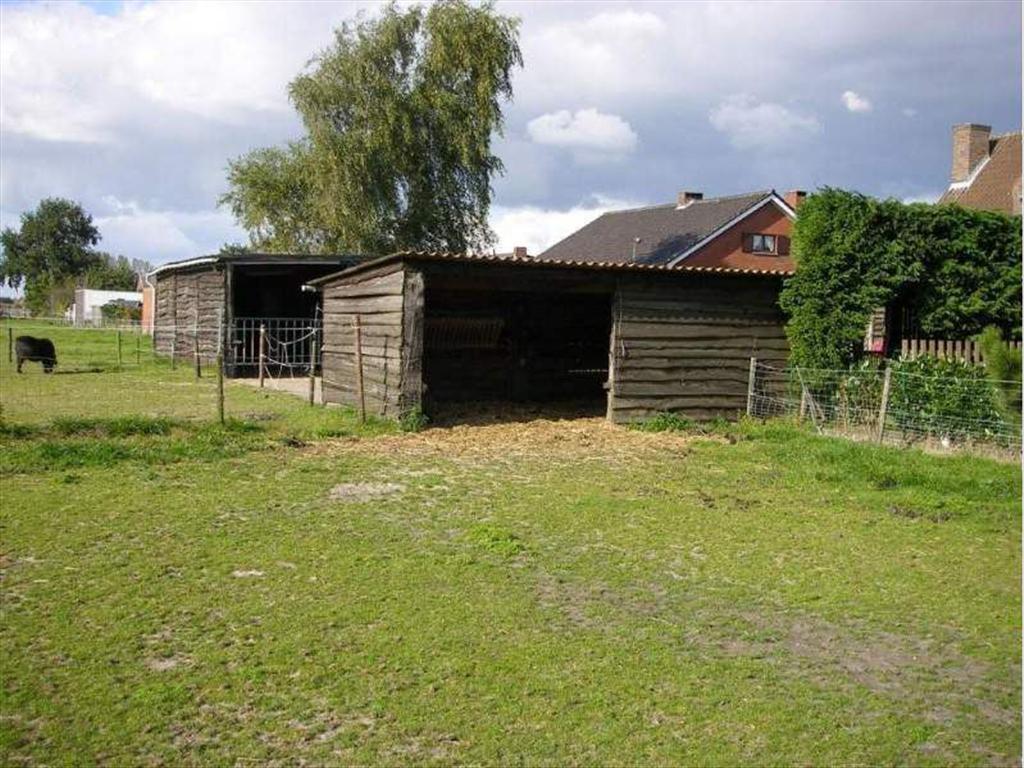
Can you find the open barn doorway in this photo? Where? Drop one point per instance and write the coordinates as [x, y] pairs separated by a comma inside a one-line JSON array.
[[511, 352]]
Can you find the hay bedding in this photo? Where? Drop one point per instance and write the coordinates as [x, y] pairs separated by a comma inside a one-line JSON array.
[[544, 439]]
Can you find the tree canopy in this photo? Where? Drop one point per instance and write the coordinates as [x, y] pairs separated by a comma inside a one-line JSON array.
[[958, 269], [399, 114], [53, 251]]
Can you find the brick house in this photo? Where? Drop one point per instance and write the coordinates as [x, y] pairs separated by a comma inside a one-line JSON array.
[[748, 231], [986, 170]]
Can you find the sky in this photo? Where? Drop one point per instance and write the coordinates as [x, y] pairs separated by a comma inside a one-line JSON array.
[[134, 108]]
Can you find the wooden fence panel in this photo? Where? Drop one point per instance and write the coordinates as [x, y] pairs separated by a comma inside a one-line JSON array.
[[951, 349]]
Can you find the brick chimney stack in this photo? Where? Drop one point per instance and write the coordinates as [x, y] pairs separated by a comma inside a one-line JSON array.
[[519, 252], [970, 147], [794, 198], [685, 198]]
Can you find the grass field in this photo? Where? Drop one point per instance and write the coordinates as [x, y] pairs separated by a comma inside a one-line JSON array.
[[296, 587]]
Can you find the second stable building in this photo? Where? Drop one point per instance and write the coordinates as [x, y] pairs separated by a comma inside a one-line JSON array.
[[638, 335]]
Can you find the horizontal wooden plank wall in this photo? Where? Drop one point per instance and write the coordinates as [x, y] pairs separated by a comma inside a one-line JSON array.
[[377, 298], [188, 309], [685, 346]]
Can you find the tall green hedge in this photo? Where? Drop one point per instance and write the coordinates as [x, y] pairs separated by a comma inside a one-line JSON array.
[[959, 269]]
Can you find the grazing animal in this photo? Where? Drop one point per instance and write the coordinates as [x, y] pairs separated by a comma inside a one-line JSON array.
[[35, 351]]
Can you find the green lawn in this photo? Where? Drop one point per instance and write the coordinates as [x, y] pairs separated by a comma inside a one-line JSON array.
[[298, 587]]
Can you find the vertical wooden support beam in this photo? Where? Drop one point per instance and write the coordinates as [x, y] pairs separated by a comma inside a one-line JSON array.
[[262, 356], [138, 346], [119, 349], [751, 381], [613, 354], [883, 406], [360, 391], [10, 344], [410, 388]]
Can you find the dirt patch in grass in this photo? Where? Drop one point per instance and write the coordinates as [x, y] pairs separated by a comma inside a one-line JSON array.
[[167, 663], [356, 492]]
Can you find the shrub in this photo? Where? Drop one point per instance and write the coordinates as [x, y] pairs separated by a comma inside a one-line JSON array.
[[945, 397], [958, 269], [1003, 366]]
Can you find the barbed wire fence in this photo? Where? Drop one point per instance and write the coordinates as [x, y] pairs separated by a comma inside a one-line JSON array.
[[886, 405]]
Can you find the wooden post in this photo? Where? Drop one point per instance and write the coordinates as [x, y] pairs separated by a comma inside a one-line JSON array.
[[750, 386], [10, 344], [261, 357], [174, 344], [119, 349], [195, 352], [803, 402], [138, 347], [359, 367], [884, 405], [312, 369], [220, 386]]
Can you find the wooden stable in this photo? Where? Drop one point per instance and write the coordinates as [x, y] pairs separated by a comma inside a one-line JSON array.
[[198, 300], [417, 330]]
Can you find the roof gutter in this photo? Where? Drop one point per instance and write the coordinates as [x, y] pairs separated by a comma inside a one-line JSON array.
[[182, 264]]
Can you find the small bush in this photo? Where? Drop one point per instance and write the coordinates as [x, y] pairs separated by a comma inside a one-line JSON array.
[[664, 422], [945, 397], [1003, 366]]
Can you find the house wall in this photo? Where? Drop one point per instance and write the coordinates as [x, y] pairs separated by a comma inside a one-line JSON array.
[[684, 345], [189, 306], [389, 305], [726, 250]]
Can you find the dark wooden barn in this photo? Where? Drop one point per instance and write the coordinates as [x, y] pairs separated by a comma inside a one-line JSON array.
[[425, 330], [234, 294]]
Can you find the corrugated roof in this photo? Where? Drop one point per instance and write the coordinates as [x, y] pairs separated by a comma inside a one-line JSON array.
[[538, 263], [997, 184], [260, 258], [665, 231]]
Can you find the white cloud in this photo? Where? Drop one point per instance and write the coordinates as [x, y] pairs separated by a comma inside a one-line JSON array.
[[750, 123], [854, 102], [160, 236], [71, 74], [538, 228], [585, 129]]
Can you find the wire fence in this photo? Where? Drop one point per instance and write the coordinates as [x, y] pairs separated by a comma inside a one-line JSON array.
[[50, 370], [892, 406]]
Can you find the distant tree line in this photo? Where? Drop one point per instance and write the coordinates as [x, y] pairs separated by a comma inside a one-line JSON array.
[[54, 252]]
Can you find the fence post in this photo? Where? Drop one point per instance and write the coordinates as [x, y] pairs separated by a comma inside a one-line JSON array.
[[261, 357], [174, 345], [359, 368], [312, 369], [195, 352], [10, 344], [884, 405], [118, 349], [803, 403], [751, 379]]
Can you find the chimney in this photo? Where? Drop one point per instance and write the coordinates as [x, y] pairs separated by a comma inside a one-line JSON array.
[[794, 198], [519, 252], [970, 147], [685, 198]]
